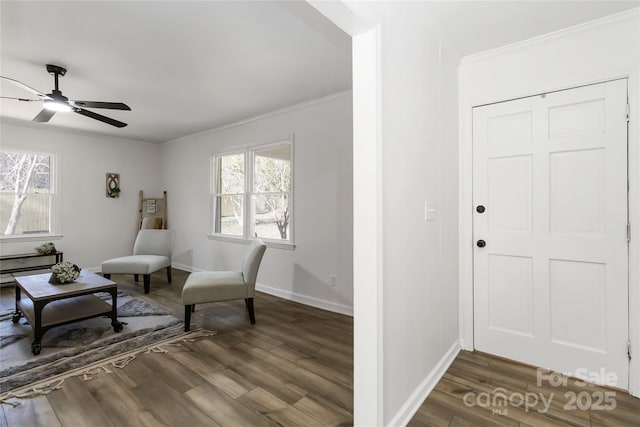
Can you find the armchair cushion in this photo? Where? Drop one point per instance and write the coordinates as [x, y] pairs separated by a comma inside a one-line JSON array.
[[135, 264], [151, 252], [212, 286]]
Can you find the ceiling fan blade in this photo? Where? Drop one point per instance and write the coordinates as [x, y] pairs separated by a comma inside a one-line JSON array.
[[43, 116], [20, 99], [100, 117], [95, 104], [25, 87]]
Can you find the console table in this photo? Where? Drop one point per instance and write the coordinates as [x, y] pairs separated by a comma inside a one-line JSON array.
[[24, 258]]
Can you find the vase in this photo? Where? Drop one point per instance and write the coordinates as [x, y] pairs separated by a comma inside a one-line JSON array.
[[53, 279]]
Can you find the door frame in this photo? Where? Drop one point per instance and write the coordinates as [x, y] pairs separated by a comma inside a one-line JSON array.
[[466, 285]]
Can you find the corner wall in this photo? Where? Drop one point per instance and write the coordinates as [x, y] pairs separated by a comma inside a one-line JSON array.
[[94, 227], [323, 202], [418, 122]]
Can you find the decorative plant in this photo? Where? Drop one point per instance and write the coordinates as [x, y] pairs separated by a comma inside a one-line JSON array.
[[64, 272], [46, 249]]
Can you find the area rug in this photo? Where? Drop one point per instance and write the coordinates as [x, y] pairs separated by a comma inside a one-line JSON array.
[[81, 345]]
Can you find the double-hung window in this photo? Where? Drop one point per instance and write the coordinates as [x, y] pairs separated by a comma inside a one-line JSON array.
[[253, 193], [26, 194]]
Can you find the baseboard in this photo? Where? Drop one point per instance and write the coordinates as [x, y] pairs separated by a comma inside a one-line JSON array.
[[306, 300], [423, 390], [291, 296]]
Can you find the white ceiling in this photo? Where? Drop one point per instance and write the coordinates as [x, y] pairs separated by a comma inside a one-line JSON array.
[[476, 26], [182, 66], [188, 66]]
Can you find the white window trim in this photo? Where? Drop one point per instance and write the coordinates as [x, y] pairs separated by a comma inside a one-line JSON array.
[[248, 226], [55, 221]]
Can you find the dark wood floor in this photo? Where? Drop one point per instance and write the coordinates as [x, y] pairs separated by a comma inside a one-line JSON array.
[[293, 368], [460, 398]]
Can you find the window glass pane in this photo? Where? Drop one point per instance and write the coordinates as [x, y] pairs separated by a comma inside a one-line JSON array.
[[230, 211], [25, 193], [272, 170], [33, 217], [271, 216], [231, 174]]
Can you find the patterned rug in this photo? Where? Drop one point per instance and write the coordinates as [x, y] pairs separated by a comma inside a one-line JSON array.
[[80, 345]]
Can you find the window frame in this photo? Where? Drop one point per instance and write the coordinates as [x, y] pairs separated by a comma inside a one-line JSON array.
[[250, 194], [54, 232]]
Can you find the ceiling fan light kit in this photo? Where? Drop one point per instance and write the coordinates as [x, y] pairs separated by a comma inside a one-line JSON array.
[[56, 102], [57, 106]]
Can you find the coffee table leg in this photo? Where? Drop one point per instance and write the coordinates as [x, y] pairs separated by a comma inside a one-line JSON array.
[[117, 326], [17, 314], [38, 332]]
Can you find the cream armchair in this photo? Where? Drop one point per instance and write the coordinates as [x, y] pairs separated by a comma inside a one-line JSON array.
[[215, 286], [151, 252]]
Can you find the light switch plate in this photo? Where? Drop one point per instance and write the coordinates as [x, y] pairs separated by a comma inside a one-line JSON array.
[[429, 211]]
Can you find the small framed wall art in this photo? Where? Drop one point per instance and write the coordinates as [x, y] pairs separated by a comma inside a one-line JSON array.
[[113, 185]]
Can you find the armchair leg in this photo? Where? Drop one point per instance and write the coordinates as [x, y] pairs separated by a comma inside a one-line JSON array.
[[193, 308], [169, 274], [107, 276], [187, 317], [136, 278], [147, 281], [249, 303]]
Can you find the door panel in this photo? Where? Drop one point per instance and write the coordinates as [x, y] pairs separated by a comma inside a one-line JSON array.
[[550, 286]]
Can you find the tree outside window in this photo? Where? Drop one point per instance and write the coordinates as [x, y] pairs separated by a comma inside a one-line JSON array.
[[26, 196], [254, 193]]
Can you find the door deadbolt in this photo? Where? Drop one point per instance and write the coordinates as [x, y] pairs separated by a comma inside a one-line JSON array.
[[480, 209], [481, 243]]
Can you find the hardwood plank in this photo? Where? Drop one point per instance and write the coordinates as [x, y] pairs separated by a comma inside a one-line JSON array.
[[292, 417], [304, 378], [230, 382], [117, 402], [480, 373], [199, 363], [169, 405], [479, 416], [431, 414], [261, 400], [170, 371], [323, 410], [35, 411], [288, 353], [224, 410], [74, 404], [332, 373]]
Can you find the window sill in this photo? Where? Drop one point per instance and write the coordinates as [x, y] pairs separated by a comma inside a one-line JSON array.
[[30, 238], [241, 240]]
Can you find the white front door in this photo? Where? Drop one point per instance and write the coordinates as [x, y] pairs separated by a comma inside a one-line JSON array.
[[551, 281]]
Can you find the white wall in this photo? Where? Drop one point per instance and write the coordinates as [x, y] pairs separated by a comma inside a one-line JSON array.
[[94, 227], [418, 122], [322, 196], [585, 54]]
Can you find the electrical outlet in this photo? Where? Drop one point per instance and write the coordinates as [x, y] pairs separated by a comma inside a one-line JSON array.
[[333, 280]]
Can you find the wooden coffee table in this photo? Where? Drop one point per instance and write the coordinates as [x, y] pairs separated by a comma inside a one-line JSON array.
[[46, 305]]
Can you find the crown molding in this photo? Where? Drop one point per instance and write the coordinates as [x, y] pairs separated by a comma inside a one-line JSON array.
[[553, 35], [262, 116]]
